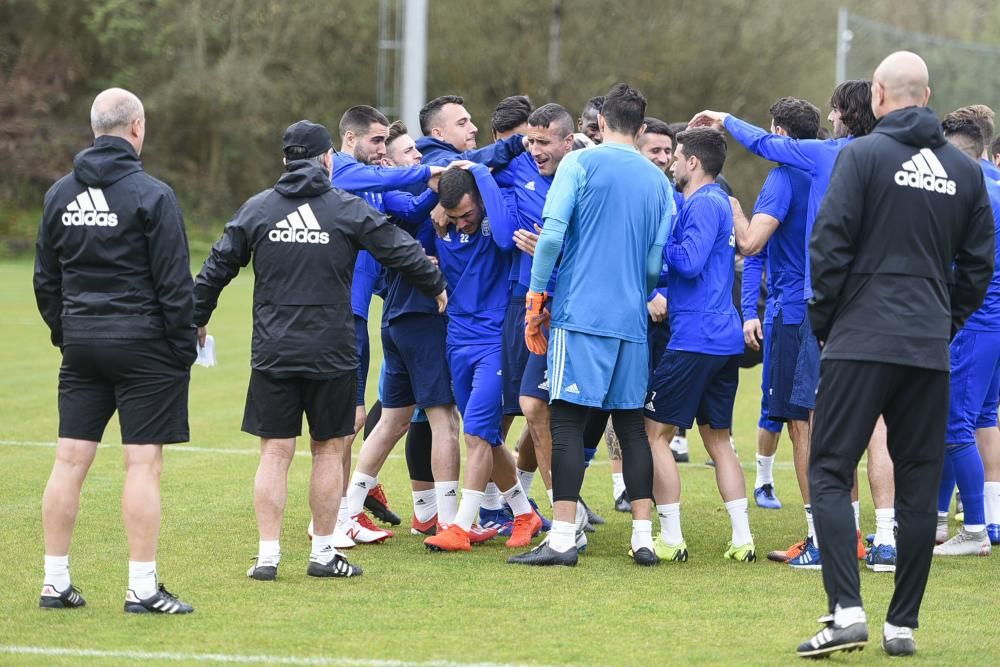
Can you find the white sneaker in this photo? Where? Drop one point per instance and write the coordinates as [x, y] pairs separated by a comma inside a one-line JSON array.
[[965, 544], [679, 444], [341, 540], [361, 535]]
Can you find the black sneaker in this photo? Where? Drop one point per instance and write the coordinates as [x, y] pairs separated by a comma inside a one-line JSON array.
[[262, 572], [67, 599], [378, 505], [335, 567], [834, 638], [592, 516], [681, 457], [543, 554], [902, 644], [645, 557], [161, 602], [622, 503]]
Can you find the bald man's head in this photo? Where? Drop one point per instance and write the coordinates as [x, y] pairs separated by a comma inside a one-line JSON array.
[[900, 81], [119, 113]]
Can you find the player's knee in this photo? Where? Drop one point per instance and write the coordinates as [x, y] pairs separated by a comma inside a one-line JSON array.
[[536, 411]]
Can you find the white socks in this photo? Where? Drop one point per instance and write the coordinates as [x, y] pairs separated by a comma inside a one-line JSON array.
[[992, 498], [425, 505], [491, 499], [892, 631], [670, 523], [518, 500], [765, 471], [322, 549], [343, 514], [269, 551], [57, 572], [884, 521], [526, 477], [642, 534], [548, 492], [468, 510], [142, 578], [856, 505], [562, 536], [741, 521], [844, 616], [447, 500], [358, 490], [617, 484], [581, 516], [810, 526]]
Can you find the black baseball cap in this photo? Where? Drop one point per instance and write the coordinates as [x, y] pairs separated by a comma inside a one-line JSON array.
[[305, 139]]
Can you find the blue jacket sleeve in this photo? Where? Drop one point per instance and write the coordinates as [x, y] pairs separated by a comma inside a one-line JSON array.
[[799, 153], [547, 251], [497, 210], [687, 255], [753, 272], [497, 155], [356, 177], [410, 209], [654, 260]]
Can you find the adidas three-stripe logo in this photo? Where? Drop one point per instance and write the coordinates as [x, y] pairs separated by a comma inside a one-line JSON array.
[[925, 172], [90, 208], [300, 226]]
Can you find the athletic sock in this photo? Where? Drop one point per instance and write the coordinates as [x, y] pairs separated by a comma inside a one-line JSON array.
[[885, 519], [971, 480], [526, 477], [142, 578], [322, 549], [856, 505], [992, 498], [468, 509], [358, 490], [447, 500], [642, 534], [562, 536], [765, 471], [548, 492], [518, 500], [581, 516], [811, 526], [617, 484], [424, 504], [491, 498], [670, 523], [343, 514], [844, 616], [891, 631], [57, 572], [740, 520]]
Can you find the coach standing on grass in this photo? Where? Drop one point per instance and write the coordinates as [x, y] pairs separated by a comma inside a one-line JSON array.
[[113, 283], [304, 236], [902, 254]]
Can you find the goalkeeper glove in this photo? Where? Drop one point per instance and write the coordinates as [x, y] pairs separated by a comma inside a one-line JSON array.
[[536, 320]]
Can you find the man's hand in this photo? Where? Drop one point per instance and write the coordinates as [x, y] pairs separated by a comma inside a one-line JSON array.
[[461, 164], [440, 220], [753, 335], [536, 321], [442, 300], [435, 178], [202, 335], [657, 308], [709, 119], [526, 241]]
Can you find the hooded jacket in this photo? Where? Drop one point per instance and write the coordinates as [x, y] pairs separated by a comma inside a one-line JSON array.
[[112, 256], [902, 249], [303, 236]]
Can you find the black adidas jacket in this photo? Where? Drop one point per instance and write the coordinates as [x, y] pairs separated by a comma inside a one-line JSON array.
[[303, 236], [112, 257], [902, 250]]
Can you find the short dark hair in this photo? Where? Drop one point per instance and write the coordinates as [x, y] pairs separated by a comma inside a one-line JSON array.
[[708, 145], [964, 127], [429, 112], [624, 108], [657, 126], [995, 150], [799, 118], [596, 103], [359, 118], [677, 127], [552, 115], [511, 112], [396, 129], [853, 99], [455, 183], [822, 133], [982, 116]]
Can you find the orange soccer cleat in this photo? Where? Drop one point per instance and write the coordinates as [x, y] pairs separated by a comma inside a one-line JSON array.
[[526, 526], [862, 551], [788, 554], [452, 538], [428, 527], [478, 534]]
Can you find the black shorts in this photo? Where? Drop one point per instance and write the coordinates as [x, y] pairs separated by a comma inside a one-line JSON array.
[[275, 405], [141, 379]]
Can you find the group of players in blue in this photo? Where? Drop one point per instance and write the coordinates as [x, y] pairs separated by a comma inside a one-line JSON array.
[[528, 233]]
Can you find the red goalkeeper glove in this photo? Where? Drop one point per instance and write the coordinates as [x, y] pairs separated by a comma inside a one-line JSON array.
[[536, 322]]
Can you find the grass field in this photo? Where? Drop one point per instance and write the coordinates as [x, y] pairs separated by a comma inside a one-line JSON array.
[[411, 607]]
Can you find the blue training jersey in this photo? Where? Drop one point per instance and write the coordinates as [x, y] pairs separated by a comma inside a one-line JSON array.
[[987, 318], [615, 205], [699, 251], [990, 170], [528, 189], [755, 268], [816, 157], [476, 268]]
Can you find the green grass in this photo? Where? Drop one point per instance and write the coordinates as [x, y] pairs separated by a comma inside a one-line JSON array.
[[411, 605]]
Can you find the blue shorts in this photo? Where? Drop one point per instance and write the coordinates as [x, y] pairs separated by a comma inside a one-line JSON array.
[[597, 371], [657, 335], [478, 382], [689, 385], [805, 379], [364, 355], [535, 381], [419, 415], [783, 345], [515, 354], [765, 422], [975, 385], [416, 363]]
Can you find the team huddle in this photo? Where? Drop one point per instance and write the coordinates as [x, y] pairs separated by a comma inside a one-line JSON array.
[[578, 272]]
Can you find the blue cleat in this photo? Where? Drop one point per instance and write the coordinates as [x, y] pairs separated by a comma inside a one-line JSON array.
[[508, 519], [808, 558], [494, 518], [993, 530], [546, 524], [881, 558], [764, 496]]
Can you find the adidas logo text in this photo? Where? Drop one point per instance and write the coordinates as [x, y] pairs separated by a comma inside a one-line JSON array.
[[925, 172], [301, 226], [90, 208]]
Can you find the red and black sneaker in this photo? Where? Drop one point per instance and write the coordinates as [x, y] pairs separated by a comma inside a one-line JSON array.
[[378, 504]]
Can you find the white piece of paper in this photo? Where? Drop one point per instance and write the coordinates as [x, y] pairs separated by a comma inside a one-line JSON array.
[[206, 355]]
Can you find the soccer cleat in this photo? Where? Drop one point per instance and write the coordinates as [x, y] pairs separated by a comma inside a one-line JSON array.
[[644, 556], [478, 534], [161, 602], [428, 527], [965, 543], [378, 504], [764, 496], [993, 530], [670, 552], [366, 522], [494, 518], [622, 503], [808, 559], [679, 448], [901, 645], [581, 541], [881, 558], [263, 570], [788, 554], [593, 518], [335, 567], [526, 526], [546, 524], [363, 535], [941, 535], [862, 550], [452, 538], [743, 553], [67, 599], [834, 638], [543, 554]]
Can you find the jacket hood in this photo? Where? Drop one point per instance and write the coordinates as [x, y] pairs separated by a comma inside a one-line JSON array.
[[303, 179], [425, 144], [913, 126], [108, 161]]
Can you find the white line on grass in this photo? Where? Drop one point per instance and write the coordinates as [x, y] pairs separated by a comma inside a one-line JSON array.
[[237, 659]]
